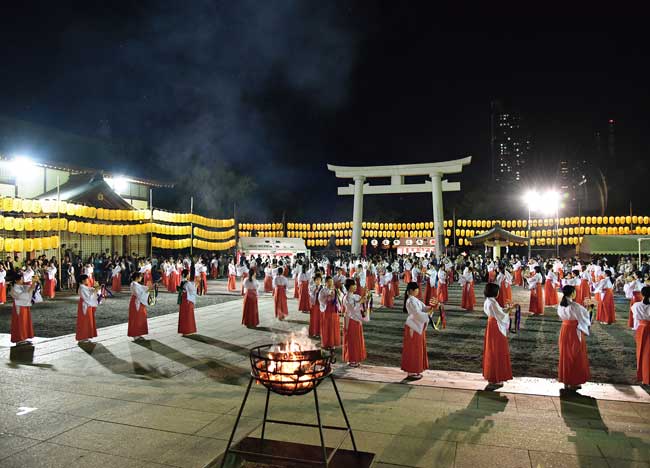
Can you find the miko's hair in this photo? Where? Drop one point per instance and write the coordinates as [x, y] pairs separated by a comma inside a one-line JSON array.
[[645, 292], [567, 290], [491, 290], [412, 286], [349, 282]]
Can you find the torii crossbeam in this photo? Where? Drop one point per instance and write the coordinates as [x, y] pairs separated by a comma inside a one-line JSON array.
[[397, 173]]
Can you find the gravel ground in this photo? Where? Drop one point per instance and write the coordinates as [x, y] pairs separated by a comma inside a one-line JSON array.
[[59, 316], [534, 350]]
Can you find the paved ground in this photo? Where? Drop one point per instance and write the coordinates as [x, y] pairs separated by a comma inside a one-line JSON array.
[[171, 401]]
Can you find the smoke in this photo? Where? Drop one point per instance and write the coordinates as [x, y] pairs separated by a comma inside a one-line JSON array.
[[222, 85], [292, 342]]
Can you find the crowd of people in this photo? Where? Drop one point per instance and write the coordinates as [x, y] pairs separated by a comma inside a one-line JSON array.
[[338, 293]]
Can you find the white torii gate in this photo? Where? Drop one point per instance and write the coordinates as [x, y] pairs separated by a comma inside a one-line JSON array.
[[397, 185]]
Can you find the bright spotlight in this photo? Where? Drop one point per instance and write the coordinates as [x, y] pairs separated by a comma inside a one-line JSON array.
[[532, 199], [22, 167], [120, 184], [551, 202]]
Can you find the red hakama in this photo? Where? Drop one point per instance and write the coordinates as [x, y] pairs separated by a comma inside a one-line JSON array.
[[443, 293], [496, 354], [296, 288], [91, 281], [370, 282], [280, 300], [414, 352], [468, 299], [21, 324], [3, 293], [214, 272], [518, 278], [268, 283], [49, 288], [147, 278], [243, 279], [250, 314], [637, 298], [429, 293], [86, 326], [642, 338], [314, 320], [137, 319], [573, 366], [536, 305], [232, 283], [501, 296], [395, 285], [330, 327], [117, 283], [386, 296], [204, 280], [585, 290], [354, 349], [550, 293], [186, 320], [492, 276], [407, 276], [304, 303], [378, 288], [579, 299], [606, 311]]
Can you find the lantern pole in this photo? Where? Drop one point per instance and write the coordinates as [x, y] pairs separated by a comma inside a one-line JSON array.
[[58, 224], [191, 224], [151, 223]]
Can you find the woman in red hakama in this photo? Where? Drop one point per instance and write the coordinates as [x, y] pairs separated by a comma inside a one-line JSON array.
[[232, 276], [314, 312], [606, 312], [633, 293], [370, 278], [280, 284], [268, 279], [214, 271], [354, 347], [378, 279], [50, 282], [468, 298], [296, 280], [443, 292], [21, 328], [387, 297], [304, 305], [147, 277], [394, 287], [518, 277], [414, 347], [585, 285], [496, 350], [137, 307], [573, 365], [536, 305], [330, 326], [250, 314], [86, 308], [244, 275], [550, 293], [186, 319], [116, 279], [407, 274], [641, 312], [3, 284]]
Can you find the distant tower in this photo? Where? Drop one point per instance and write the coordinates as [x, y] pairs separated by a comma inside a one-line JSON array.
[[510, 144], [611, 140]]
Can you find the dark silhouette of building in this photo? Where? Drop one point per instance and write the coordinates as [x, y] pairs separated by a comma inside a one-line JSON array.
[[510, 144]]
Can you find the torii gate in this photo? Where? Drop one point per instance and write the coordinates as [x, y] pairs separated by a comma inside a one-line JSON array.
[[397, 185]]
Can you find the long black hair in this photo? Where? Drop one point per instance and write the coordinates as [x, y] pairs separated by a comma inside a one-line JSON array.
[[645, 292], [412, 286], [567, 290]]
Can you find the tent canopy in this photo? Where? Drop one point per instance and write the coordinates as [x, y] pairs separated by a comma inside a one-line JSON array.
[[613, 245], [272, 245], [498, 236]]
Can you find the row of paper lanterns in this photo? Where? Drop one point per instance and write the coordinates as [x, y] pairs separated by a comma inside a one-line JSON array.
[[260, 226], [29, 245], [21, 205], [262, 234], [214, 235], [178, 244]]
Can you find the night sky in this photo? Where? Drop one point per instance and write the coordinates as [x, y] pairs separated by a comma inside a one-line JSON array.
[[273, 90]]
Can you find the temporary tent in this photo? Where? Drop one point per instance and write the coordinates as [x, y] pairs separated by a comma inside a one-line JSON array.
[[281, 246], [614, 245], [498, 237]]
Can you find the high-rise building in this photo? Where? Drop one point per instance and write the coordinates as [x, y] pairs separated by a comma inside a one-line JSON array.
[[572, 176], [510, 144]]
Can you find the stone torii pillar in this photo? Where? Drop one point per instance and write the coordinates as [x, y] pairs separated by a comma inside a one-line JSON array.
[[396, 173]]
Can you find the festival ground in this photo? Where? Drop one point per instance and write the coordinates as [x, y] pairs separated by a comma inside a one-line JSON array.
[[459, 347], [171, 401]]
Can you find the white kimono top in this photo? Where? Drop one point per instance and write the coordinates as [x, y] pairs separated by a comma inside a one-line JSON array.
[[492, 309], [141, 293], [116, 271], [534, 280], [232, 270], [22, 296], [575, 311], [88, 296], [442, 276], [325, 296], [314, 290], [640, 311], [352, 304], [280, 280], [417, 317], [190, 289], [433, 275], [250, 285], [51, 272]]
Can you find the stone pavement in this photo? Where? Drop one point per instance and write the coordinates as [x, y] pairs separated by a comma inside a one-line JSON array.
[[172, 401]]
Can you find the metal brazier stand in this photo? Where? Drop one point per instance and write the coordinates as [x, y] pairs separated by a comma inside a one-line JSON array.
[[290, 374]]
